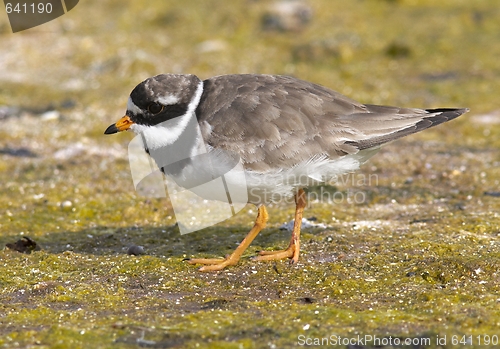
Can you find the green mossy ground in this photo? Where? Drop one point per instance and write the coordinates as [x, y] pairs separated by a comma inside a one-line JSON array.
[[419, 256]]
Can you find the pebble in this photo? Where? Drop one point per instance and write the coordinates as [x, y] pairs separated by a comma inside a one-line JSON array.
[[66, 204], [305, 225], [50, 115], [135, 250]]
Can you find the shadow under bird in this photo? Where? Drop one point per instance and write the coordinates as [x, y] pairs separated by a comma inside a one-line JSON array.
[[286, 133]]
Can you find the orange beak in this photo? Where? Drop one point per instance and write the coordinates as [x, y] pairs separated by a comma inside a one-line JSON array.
[[121, 125]]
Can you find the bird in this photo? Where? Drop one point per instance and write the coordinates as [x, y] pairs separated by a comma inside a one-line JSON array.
[[286, 133]]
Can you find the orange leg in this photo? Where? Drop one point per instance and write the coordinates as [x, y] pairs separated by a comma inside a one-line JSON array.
[[219, 264], [293, 249]]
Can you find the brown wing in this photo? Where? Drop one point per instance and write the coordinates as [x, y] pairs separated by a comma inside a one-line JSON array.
[[280, 121]]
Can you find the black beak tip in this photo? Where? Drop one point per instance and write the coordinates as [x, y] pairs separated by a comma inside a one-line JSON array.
[[111, 129]]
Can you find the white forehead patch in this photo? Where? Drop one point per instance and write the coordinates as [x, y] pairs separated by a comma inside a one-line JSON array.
[[132, 107], [168, 100]]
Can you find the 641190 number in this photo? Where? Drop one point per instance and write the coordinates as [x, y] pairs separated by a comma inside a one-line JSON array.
[[28, 8], [482, 339]]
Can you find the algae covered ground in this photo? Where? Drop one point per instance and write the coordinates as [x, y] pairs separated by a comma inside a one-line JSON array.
[[410, 255]]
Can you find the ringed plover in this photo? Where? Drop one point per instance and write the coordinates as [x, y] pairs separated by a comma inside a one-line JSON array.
[[287, 133]]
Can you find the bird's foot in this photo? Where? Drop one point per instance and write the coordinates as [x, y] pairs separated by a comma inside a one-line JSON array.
[[214, 264], [291, 252]]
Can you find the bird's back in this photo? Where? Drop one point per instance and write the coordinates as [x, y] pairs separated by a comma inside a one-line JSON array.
[[275, 122]]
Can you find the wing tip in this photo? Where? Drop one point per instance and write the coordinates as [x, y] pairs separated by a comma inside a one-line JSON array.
[[439, 116], [435, 117], [451, 113]]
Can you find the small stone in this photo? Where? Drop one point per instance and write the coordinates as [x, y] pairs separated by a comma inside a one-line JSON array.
[[135, 250], [24, 245], [287, 15], [50, 115], [38, 196], [66, 205]]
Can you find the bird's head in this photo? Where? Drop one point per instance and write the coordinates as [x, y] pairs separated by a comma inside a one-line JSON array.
[[158, 99]]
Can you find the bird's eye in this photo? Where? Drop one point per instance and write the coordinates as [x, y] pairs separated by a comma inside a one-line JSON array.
[[155, 108]]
